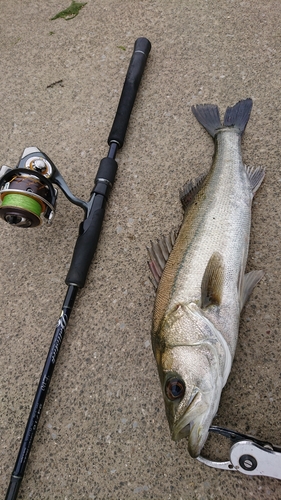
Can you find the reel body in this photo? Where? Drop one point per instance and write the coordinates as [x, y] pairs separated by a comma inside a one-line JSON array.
[[27, 193]]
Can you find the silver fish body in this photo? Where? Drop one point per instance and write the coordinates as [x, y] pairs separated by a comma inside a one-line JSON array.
[[202, 287]]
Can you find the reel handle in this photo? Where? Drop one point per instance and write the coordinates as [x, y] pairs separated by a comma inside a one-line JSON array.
[[141, 50]]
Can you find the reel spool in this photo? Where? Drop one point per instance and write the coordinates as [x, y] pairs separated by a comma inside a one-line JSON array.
[[26, 194], [26, 198]]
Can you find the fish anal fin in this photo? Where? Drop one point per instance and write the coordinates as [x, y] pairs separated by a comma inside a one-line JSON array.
[[212, 282], [190, 190], [248, 284], [158, 253], [255, 176]]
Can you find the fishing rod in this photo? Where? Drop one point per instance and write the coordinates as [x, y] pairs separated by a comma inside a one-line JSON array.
[[28, 195]]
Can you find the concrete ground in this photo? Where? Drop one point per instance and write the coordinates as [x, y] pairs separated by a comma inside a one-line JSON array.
[[103, 433]]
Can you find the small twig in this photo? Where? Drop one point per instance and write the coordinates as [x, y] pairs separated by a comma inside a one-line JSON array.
[[59, 82]]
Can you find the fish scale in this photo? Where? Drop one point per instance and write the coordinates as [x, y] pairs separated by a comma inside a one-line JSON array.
[[203, 286]]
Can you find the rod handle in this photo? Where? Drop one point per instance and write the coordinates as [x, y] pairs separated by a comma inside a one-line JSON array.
[[136, 67]]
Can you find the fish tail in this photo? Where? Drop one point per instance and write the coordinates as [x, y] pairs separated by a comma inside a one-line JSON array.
[[208, 115], [236, 116]]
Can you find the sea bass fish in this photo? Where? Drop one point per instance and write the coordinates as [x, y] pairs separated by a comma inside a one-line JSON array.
[[201, 281]]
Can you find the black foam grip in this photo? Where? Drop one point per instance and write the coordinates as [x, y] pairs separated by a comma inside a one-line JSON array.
[[107, 170], [85, 247], [141, 50]]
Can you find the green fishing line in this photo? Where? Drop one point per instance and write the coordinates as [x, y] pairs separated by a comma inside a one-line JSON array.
[[22, 201]]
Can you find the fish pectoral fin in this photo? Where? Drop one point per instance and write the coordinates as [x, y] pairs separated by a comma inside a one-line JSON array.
[[255, 176], [190, 190], [248, 284], [212, 282], [159, 252]]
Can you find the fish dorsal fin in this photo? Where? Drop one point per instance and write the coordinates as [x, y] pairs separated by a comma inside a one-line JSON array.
[[212, 282], [255, 176], [190, 190], [247, 284], [159, 252]]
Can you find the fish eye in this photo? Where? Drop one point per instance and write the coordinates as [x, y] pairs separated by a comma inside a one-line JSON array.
[[174, 388]]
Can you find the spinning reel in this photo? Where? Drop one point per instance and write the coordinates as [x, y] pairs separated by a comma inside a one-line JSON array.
[[27, 194]]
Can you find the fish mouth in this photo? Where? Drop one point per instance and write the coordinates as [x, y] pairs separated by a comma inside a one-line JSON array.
[[182, 428], [182, 433], [192, 426]]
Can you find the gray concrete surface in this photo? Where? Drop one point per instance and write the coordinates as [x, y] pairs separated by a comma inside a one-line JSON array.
[[103, 433]]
